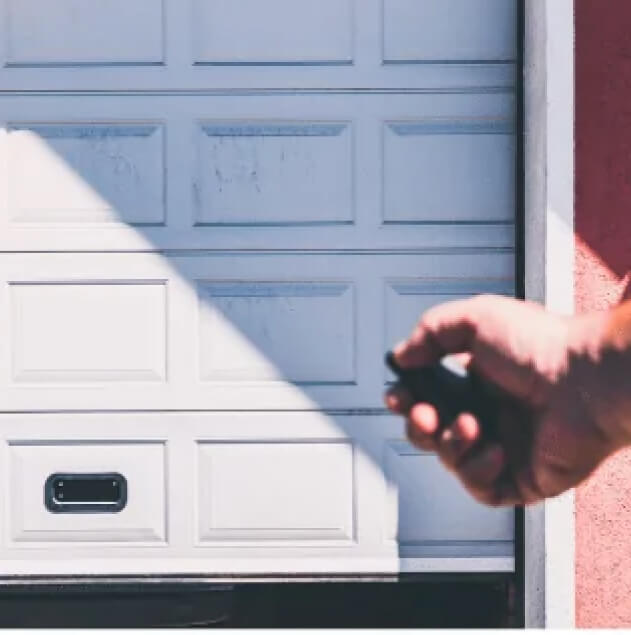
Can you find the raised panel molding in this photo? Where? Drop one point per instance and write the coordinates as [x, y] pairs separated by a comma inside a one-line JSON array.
[[460, 287], [274, 173], [273, 32], [75, 32], [256, 330], [82, 332], [446, 126], [87, 173], [433, 171], [275, 491]]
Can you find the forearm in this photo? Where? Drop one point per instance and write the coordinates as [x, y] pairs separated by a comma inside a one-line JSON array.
[[603, 370]]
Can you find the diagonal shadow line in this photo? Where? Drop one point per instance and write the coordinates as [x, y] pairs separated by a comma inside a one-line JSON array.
[[116, 202]]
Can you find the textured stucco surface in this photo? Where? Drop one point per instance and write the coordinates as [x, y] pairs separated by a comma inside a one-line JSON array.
[[603, 263]]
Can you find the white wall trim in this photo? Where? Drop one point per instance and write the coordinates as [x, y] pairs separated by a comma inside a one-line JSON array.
[[549, 238]]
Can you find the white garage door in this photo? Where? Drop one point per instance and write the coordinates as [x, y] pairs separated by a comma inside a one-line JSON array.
[[215, 217]]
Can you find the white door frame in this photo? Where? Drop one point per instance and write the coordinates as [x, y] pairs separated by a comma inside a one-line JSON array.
[[549, 271]]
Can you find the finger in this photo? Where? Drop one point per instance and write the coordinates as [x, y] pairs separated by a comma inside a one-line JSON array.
[[425, 419], [480, 470], [422, 426], [457, 440], [398, 399], [445, 329], [418, 439]]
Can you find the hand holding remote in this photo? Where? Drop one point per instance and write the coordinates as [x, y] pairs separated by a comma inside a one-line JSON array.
[[545, 399], [451, 391]]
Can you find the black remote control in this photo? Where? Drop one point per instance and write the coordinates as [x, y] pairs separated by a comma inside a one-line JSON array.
[[450, 392]]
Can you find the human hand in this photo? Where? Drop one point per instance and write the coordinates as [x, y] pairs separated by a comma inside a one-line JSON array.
[[550, 375]]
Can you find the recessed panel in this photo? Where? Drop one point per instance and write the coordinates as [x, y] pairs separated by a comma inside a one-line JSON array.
[[300, 332], [273, 31], [275, 491], [88, 332], [406, 300], [449, 171], [449, 30], [431, 506], [87, 173], [274, 173], [68, 32], [141, 519]]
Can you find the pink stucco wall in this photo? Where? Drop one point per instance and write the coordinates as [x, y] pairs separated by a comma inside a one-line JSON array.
[[603, 266]]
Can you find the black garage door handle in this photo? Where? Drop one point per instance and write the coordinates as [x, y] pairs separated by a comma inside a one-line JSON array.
[[72, 493]]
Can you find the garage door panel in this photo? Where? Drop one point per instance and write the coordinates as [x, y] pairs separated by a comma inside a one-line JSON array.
[[141, 521], [433, 171], [277, 32], [88, 332], [276, 492], [71, 32], [237, 492], [217, 331], [87, 173], [406, 299], [283, 173], [433, 507], [449, 30], [263, 331], [171, 45], [331, 175]]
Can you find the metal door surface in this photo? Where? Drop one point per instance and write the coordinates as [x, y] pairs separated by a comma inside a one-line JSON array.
[[215, 217]]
